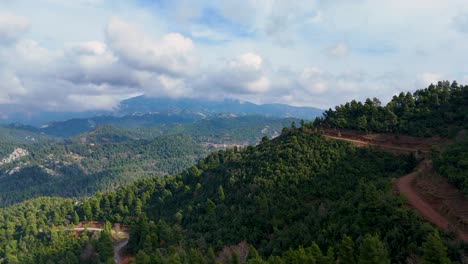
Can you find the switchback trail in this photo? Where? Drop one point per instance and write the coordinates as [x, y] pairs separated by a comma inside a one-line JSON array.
[[404, 186]]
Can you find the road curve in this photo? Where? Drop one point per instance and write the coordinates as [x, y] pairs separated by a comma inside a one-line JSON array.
[[117, 248], [405, 187], [117, 251]]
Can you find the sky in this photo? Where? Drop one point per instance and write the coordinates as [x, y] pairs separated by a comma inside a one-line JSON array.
[[79, 55]]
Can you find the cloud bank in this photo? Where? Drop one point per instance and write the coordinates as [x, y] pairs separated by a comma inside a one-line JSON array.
[[316, 53]]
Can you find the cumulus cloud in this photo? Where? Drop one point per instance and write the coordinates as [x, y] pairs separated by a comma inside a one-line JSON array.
[[10, 87], [245, 74], [258, 50], [12, 27], [93, 74], [93, 63], [172, 54]]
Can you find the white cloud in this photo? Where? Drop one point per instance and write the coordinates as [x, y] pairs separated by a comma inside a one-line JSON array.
[[313, 81], [92, 102], [426, 78], [55, 62], [245, 74], [12, 27], [10, 87], [172, 54]]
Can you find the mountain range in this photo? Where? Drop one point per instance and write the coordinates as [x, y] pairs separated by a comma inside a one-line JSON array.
[[182, 107]]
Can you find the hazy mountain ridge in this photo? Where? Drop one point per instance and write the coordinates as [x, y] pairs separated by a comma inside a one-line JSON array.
[[150, 108], [206, 107]]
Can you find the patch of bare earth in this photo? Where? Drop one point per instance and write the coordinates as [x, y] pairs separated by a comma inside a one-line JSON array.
[[386, 140]]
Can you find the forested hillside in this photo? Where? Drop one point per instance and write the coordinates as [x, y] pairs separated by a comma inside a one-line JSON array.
[[440, 109], [297, 198], [12, 135], [163, 123], [80, 169], [223, 130], [324, 199], [109, 156]]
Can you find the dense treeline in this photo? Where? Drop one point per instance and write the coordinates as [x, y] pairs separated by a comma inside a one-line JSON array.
[[453, 164], [440, 109], [80, 169]]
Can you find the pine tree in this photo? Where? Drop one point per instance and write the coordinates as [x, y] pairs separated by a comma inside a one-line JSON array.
[[372, 251], [104, 244], [87, 212], [221, 193], [253, 257], [346, 251], [211, 256], [434, 250], [76, 218]]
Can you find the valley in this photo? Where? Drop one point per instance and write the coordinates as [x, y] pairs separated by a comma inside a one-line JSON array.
[[233, 132], [240, 189], [108, 156]]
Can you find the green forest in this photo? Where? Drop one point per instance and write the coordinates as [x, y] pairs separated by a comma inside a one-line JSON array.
[[296, 198], [109, 156], [453, 164], [75, 170], [440, 109]]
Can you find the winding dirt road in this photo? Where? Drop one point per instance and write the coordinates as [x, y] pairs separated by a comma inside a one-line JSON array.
[[404, 186]]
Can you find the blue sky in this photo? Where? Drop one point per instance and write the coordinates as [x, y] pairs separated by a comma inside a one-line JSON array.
[[76, 55]]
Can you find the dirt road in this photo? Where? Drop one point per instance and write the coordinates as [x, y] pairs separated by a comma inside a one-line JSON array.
[[117, 251], [117, 247], [365, 143], [405, 187]]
